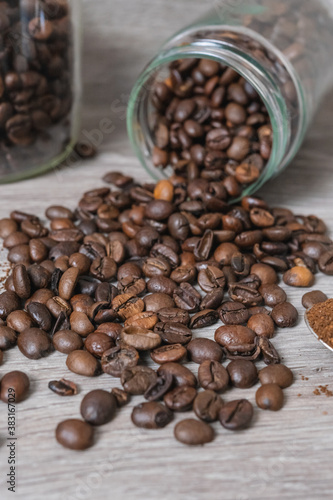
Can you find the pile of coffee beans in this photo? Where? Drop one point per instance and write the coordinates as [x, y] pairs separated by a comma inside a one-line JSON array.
[[211, 124], [139, 271], [35, 82]]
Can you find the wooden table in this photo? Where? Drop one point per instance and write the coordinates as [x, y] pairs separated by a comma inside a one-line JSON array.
[[285, 455]]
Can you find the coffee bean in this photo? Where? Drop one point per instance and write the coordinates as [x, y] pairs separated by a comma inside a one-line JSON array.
[[7, 227], [309, 299], [98, 407], [202, 349], [187, 298], [21, 281], [9, 302], [325, 263], [207, 405], [161, 284], [40, 315], [181, 374], [243, 373], [160, 387], [117, 359], [299, 277], [203, 318], [83, 363], [276, 374], [262, 325], [34, 343], [233, 313], [168, 353], [151, 415], [140, 338], [68, 283], [180, 398], [193, 432], [272, 295], [269, 397], [138, 379], [63, 387], [266, 274], [8, 338], [81, 324], [236, 339], [285, 315], [174, 315], [236, 415], [157, 301], [173, 333], [75, 434], [97, 343], [213, 376], [14, 383], [122, 397]]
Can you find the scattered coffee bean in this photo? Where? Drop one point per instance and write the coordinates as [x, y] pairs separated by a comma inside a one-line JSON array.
[[98, 407], [236, 415], [309, 299], [75, 434], [180, 398], [270, 397], [63, 387], [151, 415], [193, 432], [243, 373], [276, 374], [285, 315], [14, 385], [213, 376], [207, 406]]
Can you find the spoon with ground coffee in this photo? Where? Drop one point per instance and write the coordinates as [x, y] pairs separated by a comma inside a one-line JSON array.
[[319, 320]]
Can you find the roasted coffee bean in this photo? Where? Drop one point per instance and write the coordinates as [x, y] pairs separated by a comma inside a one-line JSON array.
[[207, 406], [122, 397], [7, 227], [75, 434], [174, 315], [180, 398], [236, 415], [236, 339], [117, 359], [276, 374], [285, 315], [21, 281], [161, 284], [97, 343], [19, 321], [173, 333], [233, 313], [98, 407], [245, 294], [157, 301], [8, 338], [187, 298], [299, 276], [145, 319], [262, 325], [15, 382], [181, 374], [243, 373], [193, 432], [309, 299], [168, 353], [40, 315], [211, 278], [138, 379], [269, 397], [34, 343], [140, 338], [268, 351], [204, 318], [81, 324], [9, 302], [160, 387], [68, 283], [83, 363], [213, 376], [272, 295], [325, 263], [213, 299], [112, 330], [265, 273], [151, 415], [63, 387], [202, 349]]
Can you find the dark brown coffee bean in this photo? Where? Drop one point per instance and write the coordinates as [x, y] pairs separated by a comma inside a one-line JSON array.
[[157, 301], [83, 363], [269, 397], [161, 284], [68, 283], [273, 295], [276, 374], [325, 263], [213, 376], [34, 343], [140, 338], [7, 227], [187, 298], [180, 398], [168, 353], [97, 343], [203, 318], [122, 397], [213, 299], [174, 315], [19, 321], [160, 387], [243, 373], [9, 302], [117, 359], [285, 315], [236, 339], [262, 325], [181, 374], [145, 319], [81, 324], [40, 315], [202, 349], [236, 415], [8, 338], [193, 432], [309, 299], [173, 333], [207, 406], [15, 382], [21, 281], [75, 434], [233, 313], [98, 407], [151, 415], [63, 387]]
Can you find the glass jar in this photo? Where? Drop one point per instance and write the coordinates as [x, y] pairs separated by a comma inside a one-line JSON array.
[[39, 84], [282, 48]]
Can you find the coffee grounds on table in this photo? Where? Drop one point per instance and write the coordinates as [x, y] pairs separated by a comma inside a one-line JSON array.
[[320, 318]]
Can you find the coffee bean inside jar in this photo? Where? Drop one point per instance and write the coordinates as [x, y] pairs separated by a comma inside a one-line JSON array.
[[36, 85]]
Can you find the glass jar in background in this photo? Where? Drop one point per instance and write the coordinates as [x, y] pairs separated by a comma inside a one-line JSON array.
[[39, 84], [282, 48]]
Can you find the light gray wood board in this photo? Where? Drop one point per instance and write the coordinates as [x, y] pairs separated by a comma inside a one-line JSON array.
[[284, 455]]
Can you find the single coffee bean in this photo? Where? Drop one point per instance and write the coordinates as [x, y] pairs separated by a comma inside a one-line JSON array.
[[19, 321], [81, 324], [285, 315], [269, 397], [98, 407], [262, 325], [9, 302], [151, 415], [193, 432], [207, 406], [140, 338], [236, 339], [233, 313], [173, 333], [266, 274], [7, 227], [21, 281], [138, 379], [181, 374], [66, 341], [213, 376], [157, 301], [8, 338], [180, 398], [40, 315], [276, 374], [122, 397], [17, 383], [212, 300], [68, 283], [299, 277], [83, 363], [97, 343], [204, 318], [273, 295], [236, 415], [168, 353], [187, 298], [117, 359], [309, 299], [174, 315], [325, 263], [243, 373], [34, 343], [146, 319], [202, 349], [75, 434], [63, 387]]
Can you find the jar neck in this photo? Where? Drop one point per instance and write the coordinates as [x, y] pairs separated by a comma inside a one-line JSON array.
[[285, 141]]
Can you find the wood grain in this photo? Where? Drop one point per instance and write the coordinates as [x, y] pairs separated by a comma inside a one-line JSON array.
[[285, 455]]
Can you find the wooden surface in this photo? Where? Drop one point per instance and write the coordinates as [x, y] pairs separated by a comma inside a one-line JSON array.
[[284, 455]]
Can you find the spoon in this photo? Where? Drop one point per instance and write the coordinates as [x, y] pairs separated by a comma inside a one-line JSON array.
[[314, 333]]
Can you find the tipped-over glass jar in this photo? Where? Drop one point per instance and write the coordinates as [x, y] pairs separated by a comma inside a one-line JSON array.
[[192, 117], [39, 84]]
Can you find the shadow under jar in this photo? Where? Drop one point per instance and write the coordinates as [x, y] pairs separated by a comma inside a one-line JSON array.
[[39, 84], [273, 58]]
